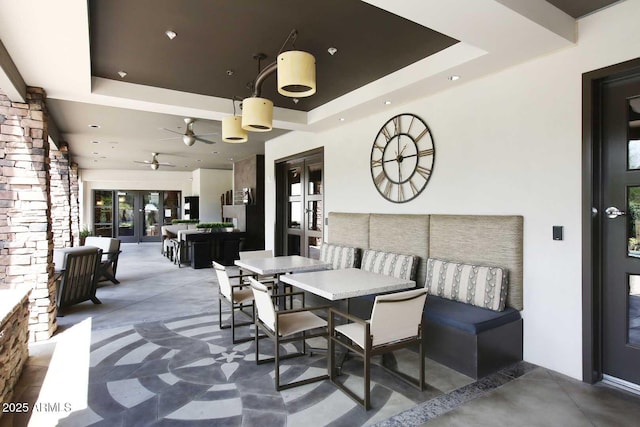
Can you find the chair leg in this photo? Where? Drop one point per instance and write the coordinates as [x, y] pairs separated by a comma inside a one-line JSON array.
[[95, 300], [233, 324], [367, 381]]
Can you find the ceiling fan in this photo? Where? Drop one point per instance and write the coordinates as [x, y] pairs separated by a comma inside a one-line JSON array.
[[189, 137], [154, 163]]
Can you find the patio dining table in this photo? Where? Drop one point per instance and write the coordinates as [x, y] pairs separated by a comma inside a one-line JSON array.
[[346, 283]]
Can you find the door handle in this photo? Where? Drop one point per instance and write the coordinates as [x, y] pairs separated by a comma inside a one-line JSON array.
[[613, 212]]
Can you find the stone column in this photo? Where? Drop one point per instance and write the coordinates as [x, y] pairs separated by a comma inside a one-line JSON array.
[[60, 196], [74, 204], [26, 257]]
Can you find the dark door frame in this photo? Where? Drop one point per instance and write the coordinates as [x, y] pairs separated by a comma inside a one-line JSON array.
[[281, 190], [592, 199]]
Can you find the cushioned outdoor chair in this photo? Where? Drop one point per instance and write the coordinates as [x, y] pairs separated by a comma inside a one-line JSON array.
[[110, 253], [396, 322], [238, 296], [285, 326], [76, 273]]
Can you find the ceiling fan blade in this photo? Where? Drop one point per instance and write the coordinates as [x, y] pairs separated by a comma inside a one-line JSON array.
[[168, 139], [173, 131], [207, 134], [206, 141], [144, 162], [167, 164]]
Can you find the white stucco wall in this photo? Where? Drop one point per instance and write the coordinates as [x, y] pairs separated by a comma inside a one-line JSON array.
[[509, 143], [209, 184]]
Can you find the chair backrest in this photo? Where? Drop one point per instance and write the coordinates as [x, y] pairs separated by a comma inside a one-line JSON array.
[[107, 244], [78, 282], [263, 303], [223, 279], [397, 316], [256, 254]]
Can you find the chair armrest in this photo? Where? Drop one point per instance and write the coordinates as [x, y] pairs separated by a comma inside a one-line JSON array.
[[298, 310], [290, 294], [355, 319], [236, 276], [111, 253]]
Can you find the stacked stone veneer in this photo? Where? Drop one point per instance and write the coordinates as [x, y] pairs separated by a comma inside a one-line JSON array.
[[14, 327], [26, 240], [74, 204], [60, 198]]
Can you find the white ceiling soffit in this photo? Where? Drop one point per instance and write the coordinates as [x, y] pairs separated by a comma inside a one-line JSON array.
[[59, 56]]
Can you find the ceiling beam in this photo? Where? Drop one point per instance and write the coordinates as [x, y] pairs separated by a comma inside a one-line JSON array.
[[11, 82]]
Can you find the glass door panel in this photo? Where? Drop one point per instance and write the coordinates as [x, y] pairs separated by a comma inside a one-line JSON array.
[[103, 213], [126, 216], [171, 206], [634, 310], [150, 214]]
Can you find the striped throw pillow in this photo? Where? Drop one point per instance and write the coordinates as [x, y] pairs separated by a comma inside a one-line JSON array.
[[482, 286], [390, 264], [340, 256]]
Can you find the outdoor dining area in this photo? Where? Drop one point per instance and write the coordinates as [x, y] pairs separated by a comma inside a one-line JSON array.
[[370, 302]]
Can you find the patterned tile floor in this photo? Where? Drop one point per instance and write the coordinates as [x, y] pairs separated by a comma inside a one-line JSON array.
[[152, 354]]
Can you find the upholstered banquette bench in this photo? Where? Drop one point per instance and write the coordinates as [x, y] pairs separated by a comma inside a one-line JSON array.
[[472, 266]]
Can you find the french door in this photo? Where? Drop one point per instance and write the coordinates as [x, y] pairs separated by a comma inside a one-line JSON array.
[[139, 216], [300, 205], [134, 216], [620, 225]]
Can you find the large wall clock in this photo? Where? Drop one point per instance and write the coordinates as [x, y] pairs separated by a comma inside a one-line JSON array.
[[402, 158]]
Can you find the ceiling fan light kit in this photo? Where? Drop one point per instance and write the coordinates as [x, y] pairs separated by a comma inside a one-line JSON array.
[[232, 130], [188, 140]]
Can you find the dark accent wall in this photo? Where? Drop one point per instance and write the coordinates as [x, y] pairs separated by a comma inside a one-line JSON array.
[[249, 173]]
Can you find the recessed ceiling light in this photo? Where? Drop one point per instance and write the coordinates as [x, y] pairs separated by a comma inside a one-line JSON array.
[[454, 78], [214, 152], [171, 34], [199, 160], [332, 51], [387, 102], [94, 126], [122, 74], [342, 119], [95, 142], [95, 153]]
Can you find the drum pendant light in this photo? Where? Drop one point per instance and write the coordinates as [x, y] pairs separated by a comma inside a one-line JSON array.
[[232, 130], [257, 114], [296, 74]]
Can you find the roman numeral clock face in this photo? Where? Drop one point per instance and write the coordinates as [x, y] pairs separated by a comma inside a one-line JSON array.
[[402, 158]]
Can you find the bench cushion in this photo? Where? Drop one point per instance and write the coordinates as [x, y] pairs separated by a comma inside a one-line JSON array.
[[482, 286], [389, 264], [340, 256], [465, 317]]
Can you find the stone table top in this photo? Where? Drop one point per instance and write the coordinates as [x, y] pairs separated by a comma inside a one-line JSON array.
[[281, 264]]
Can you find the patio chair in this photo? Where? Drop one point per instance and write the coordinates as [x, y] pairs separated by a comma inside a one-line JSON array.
[[237, 296], [259, 254], [285, 326], [76, 274], [396, 322], [110, 253]]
